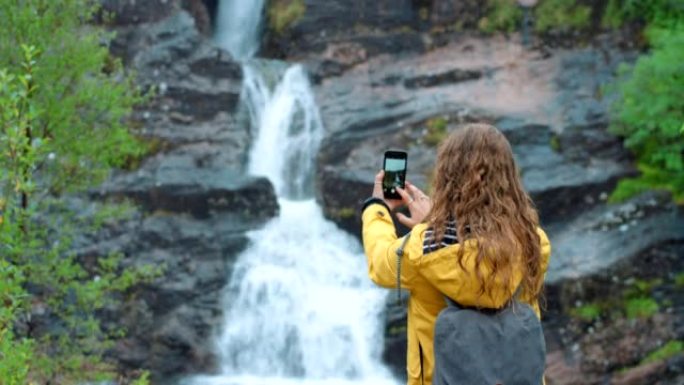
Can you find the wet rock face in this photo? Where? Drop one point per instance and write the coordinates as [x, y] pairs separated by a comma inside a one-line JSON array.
[[171, 321], [127, 12], [201, 192], [549, 108], [327, 21], [133, 12], [556, 126], [383, 26]]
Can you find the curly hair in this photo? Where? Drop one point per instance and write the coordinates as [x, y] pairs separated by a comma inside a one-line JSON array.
[[476, 184]]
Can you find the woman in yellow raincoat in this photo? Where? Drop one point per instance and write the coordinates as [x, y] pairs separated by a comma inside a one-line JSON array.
[[477, 240]]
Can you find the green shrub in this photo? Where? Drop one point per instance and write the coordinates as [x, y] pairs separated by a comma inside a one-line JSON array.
[[555, 143], [15, 353], [588, 312], [649, 113], [282, 14], [503, 15], [63, 108], [144, 379], [641, 307], [668, 350], [436, 131], [507, 16], [679, 280], [346, 212], [561, 14], [618, 12]]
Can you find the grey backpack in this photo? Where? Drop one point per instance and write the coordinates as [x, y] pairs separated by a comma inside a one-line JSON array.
[[486, 346], [489, 346]]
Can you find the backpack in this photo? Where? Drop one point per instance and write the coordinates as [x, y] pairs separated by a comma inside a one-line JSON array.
[[489, 346], [486, 346]]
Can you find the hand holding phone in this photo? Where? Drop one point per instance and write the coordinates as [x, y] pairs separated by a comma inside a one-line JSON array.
[[394, 165]]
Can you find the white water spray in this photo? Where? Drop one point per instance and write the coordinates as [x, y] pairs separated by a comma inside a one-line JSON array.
[[290, 131]]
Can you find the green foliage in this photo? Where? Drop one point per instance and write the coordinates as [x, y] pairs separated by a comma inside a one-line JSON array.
[[15, 353], [679, 280], [670, 349], [618, 12], [144, 379], [636, 301], [555, 144], [507, 16], [424, 13], [282, 14], [80, 108], [561, 14], [346, 212], [503, 15], [649, 113], [650, 179], [641, 307], [436, 131], [63, 103], [639, 302], [642, 288], [588, 312]]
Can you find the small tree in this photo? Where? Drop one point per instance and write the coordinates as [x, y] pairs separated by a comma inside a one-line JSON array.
[[63, 108], [649, 111]]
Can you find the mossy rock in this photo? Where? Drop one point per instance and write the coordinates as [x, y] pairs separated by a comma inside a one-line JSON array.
[[670, 349], [436, 131], [283, 14]]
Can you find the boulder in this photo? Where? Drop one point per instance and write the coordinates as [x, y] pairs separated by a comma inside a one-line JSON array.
[[603, 237], [173, 183]]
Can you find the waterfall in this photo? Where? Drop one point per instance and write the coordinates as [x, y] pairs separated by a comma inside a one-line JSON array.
[[238, 24], [289, 131], [300, 308]]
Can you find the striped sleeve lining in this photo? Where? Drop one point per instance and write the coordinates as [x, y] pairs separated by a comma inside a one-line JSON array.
[[450, 238]]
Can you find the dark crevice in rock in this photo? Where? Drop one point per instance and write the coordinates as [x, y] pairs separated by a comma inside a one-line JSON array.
[[217, 68], [199, 104], [212, 10], [449, 77], [201, 193]]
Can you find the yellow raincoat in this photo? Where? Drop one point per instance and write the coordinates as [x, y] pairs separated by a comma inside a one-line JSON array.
[[428, 278]]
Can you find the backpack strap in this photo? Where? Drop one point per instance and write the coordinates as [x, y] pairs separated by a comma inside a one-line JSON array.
[[400, 253], [451, 303]]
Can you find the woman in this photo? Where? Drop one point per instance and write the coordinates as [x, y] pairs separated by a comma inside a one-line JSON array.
[[476, 241]]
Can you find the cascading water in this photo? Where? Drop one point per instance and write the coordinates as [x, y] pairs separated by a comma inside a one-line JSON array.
[[238, 24], [289, 131], [299, 306]]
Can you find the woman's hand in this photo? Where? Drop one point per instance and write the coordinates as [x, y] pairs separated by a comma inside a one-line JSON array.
[[419, 205], [418, 202]]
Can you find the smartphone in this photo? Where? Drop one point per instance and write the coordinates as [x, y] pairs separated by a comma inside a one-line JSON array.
[[395, 173]]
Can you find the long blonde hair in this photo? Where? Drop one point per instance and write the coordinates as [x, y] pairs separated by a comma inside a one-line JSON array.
[[476, 184]]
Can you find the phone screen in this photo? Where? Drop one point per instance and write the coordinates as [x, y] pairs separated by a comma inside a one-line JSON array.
[[395, 173]]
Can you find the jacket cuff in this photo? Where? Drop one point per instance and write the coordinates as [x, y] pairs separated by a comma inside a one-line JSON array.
[[373, 200]]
